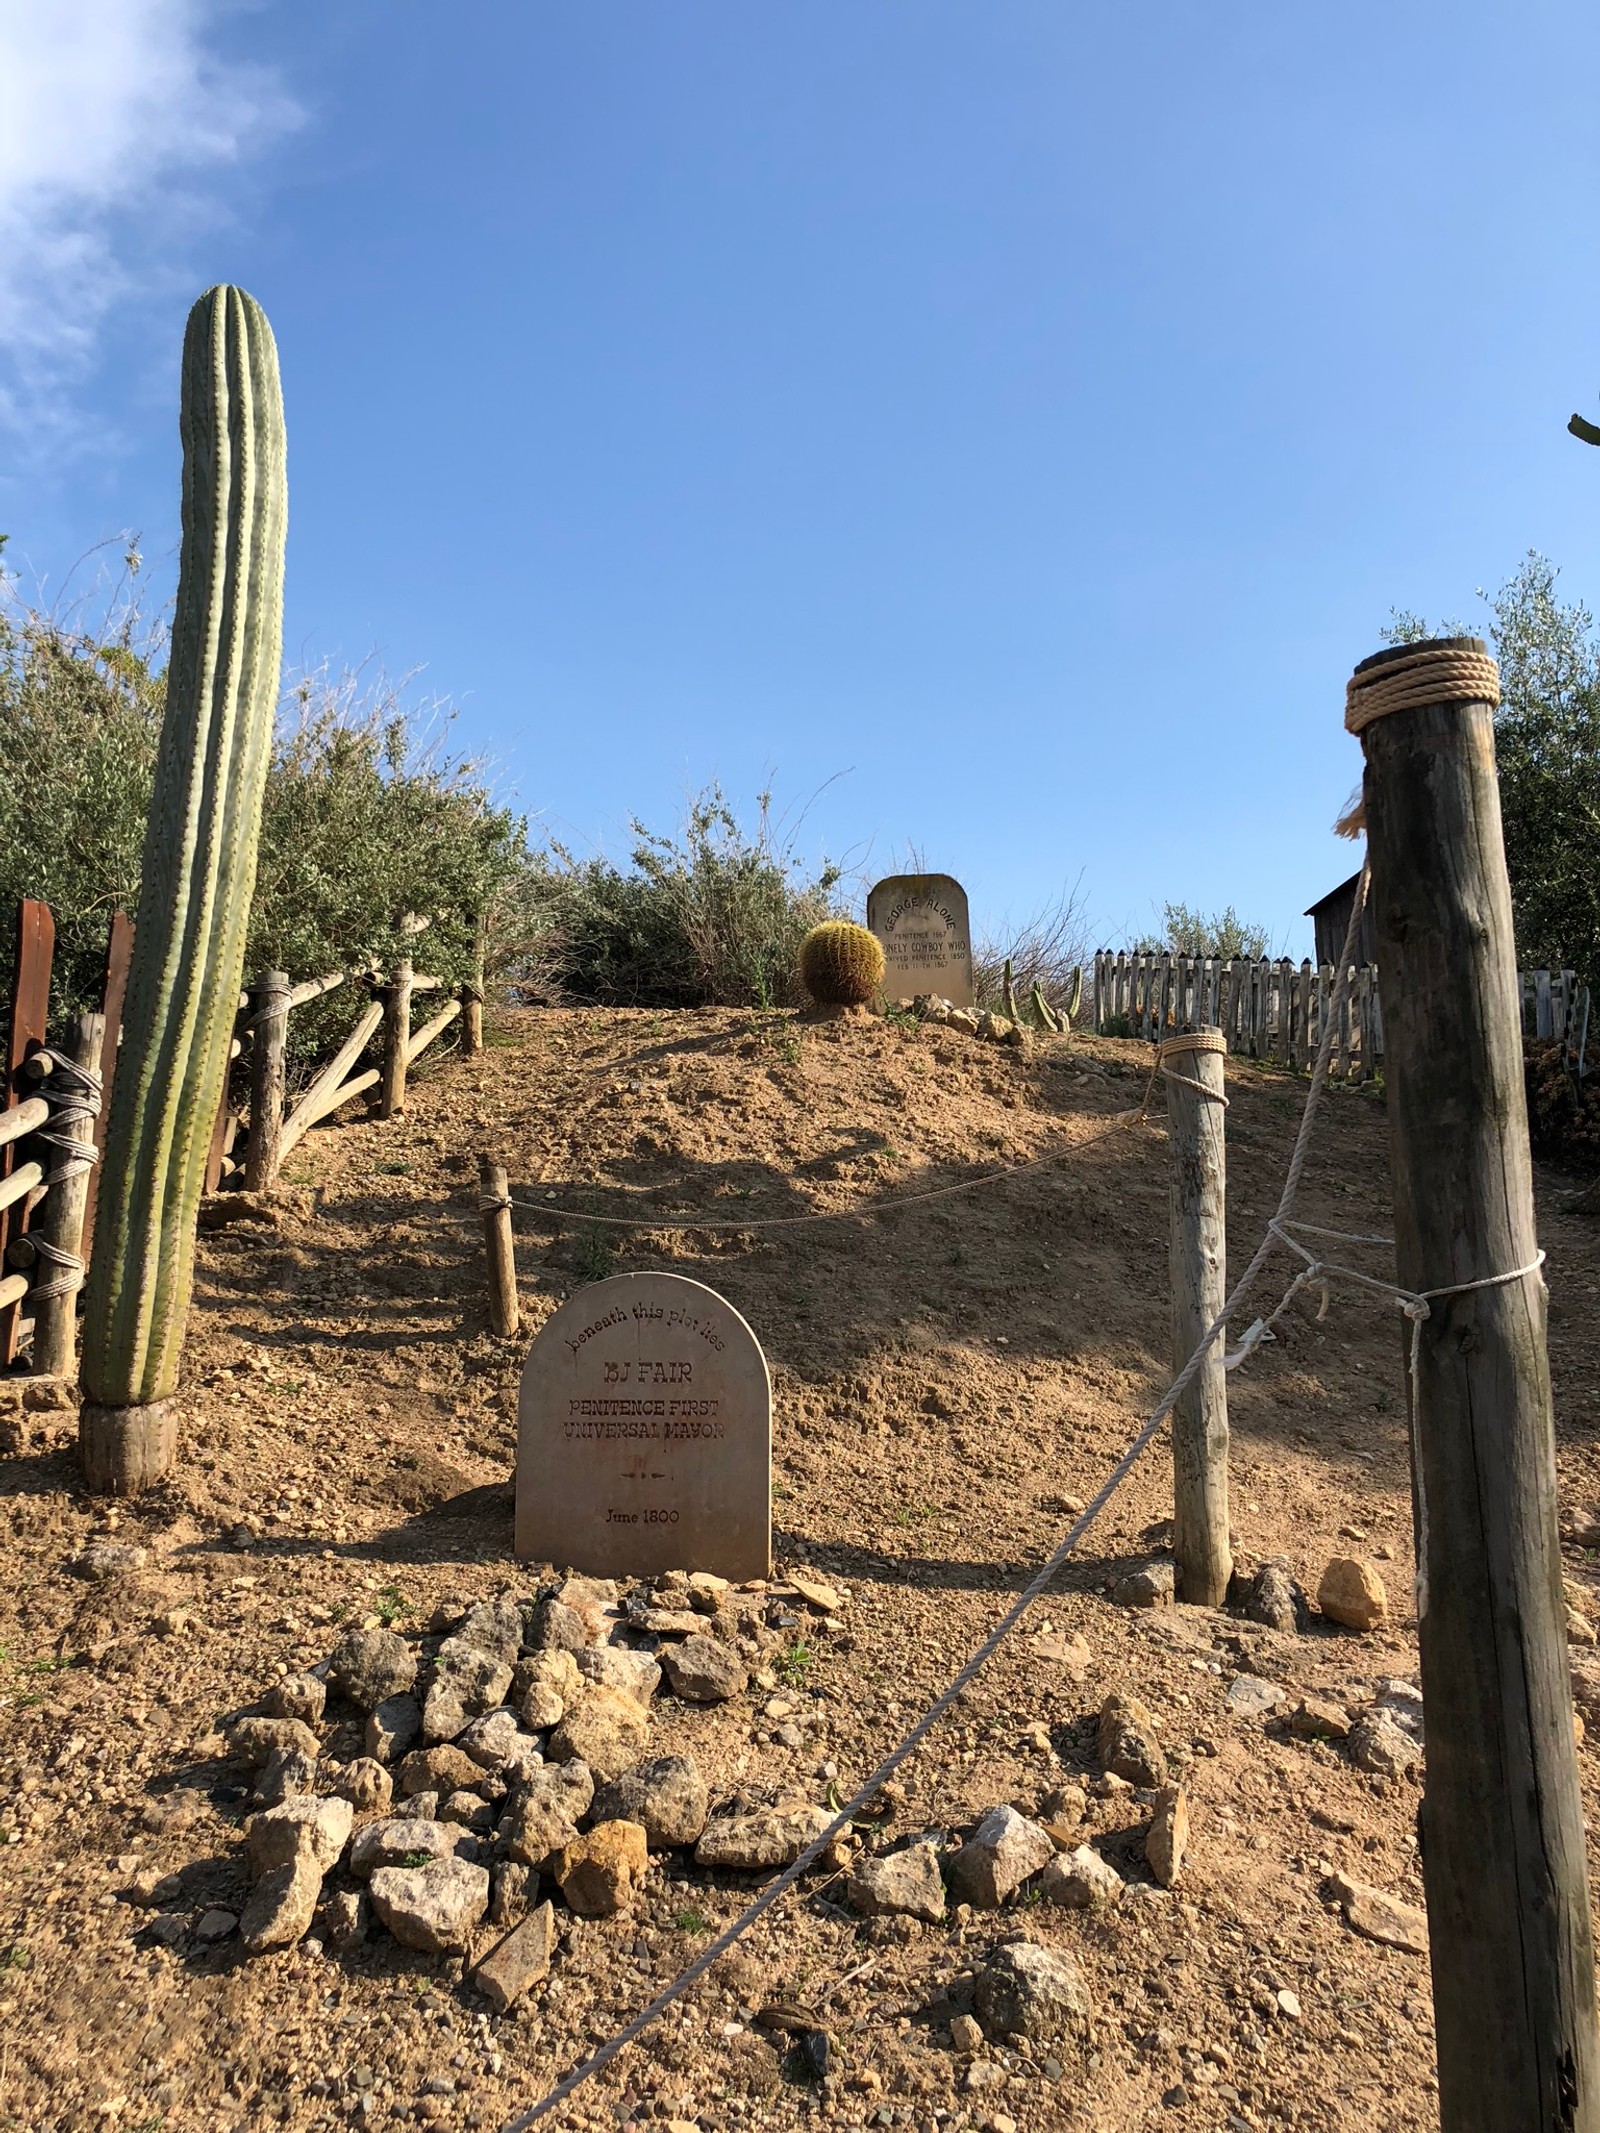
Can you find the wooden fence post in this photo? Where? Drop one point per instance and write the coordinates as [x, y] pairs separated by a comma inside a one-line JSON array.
[[57, 1234], [1503, 1857], [396, 1040], [1192, 1068], [494, 1201], [30, 1007], [472, 996], [269, 1021]]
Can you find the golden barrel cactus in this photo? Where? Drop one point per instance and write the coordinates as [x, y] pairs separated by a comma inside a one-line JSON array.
[[841, 964]]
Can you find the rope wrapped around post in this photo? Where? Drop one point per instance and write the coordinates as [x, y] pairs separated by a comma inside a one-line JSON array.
[[73, 1093]]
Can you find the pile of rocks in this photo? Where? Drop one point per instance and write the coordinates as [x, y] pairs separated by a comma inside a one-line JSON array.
[[973, 1022], [513, 1756]]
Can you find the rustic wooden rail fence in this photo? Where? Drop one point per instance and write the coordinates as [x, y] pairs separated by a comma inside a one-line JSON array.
[[1275, 1008], [56, 1092]]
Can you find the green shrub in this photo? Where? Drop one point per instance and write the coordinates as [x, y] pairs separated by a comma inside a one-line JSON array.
[[369, 821]]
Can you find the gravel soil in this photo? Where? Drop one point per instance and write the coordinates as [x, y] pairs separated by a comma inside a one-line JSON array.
[[950, 1382]]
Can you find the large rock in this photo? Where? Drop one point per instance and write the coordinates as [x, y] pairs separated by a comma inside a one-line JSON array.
[[703, 1670], [1033, 1992], [432, 1907], [405, 1840], [667, 1798], [753, 1842], [1167, 1838], [633, 1674], [315, 1829], [255, 1741], [1351, 1593], [1317, 1718], [1081, 1880], [514, 1893], [289, 1775], [999, 1856], [517, 1962], [544, 1686], [1381, 1917], [497, 1742], [557, 1628], [467, 1682], [1128, 1742], [599, 1873], [1379, 1744], [543, 1818], [1272, 1598], [1153, 1584], [1250, 1697], [366, 1785], [300, 1696], [371, 1665], [281, 1905], [907, 1881], [604, 1729], [442, 1769], [495, 1627], [392, 1727]]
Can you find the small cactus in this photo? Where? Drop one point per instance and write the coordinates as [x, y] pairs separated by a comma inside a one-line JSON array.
[[196, 884], [1008, 996], [1044, 1015], [1069, 1013], [841, 965]]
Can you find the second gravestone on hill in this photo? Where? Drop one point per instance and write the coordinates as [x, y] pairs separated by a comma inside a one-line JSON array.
[[921, 922], [644, 1434]]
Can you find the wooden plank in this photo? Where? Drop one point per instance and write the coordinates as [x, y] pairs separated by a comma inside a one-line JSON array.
[[494, 1203], [59, 1227], [311, 1106], [1544, 1024], [310, 989], [1197, 1264], [330, 1100], [22, 1119], [1501, 1840], [429, 1031], [119, 957], [17, 1187], [396, 1039], [30, 1010], [270, 999]]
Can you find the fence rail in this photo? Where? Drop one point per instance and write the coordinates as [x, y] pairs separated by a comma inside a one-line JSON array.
[[1275, 1008], [54, 1096]]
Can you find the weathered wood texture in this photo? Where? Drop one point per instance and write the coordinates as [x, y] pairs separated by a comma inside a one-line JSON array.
[[330, 1089], [59, 1225], [271, 997], [30, 1006], [1197, 1264], [1503, 1841], [494, 1197], [119, 956], [396, 1040], [425, 1036]]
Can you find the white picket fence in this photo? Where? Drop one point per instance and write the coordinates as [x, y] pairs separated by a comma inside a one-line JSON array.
[[1275, 1009]]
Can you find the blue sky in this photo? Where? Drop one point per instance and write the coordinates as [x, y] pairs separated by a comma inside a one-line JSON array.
[[1030, 410]]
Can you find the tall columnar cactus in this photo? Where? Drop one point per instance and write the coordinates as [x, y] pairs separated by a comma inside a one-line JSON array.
[[196, 884]]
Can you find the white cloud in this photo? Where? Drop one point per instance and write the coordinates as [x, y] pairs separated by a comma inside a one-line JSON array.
[[111, 111]]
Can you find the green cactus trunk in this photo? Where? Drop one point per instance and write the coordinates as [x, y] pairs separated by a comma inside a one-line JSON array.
[[196, 885]]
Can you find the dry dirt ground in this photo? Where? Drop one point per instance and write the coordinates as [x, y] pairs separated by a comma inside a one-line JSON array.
[[947, 1381]]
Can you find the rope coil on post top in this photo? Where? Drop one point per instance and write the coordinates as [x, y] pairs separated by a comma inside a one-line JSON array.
[[1186, 1041], [1454, 670]]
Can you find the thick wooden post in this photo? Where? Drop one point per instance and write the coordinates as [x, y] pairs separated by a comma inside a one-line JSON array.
[[494, 1199], [1503, 1857], [58, 1230], [472, 996], [1192, 1068], [396, 1040], [269, 1020]]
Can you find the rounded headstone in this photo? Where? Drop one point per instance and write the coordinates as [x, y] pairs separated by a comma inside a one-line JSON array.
[[922, 923], [644, 1434]]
